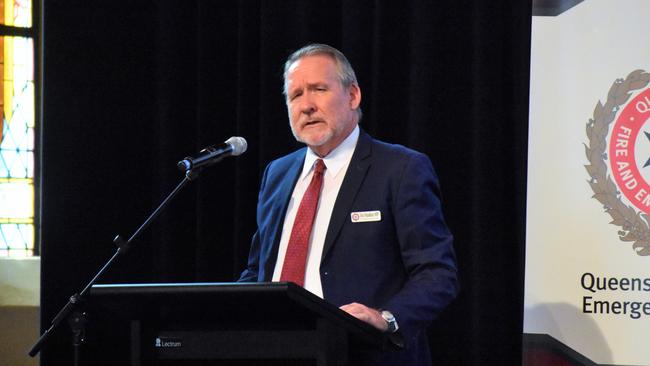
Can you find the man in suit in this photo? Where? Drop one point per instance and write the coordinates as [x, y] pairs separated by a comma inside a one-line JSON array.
[[374, 242]]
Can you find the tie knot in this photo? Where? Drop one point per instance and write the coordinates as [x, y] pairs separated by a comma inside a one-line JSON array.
[[320, 167]]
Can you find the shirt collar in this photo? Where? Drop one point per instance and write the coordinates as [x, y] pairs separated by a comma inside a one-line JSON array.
[[336, 159]]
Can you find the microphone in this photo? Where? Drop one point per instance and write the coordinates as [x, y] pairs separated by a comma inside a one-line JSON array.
[[234, 146]]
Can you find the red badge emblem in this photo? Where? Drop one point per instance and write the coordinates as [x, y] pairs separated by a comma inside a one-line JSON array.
[[626, 142], [618, 152]]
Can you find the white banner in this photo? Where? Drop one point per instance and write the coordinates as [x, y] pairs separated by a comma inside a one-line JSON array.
[[588, 215]]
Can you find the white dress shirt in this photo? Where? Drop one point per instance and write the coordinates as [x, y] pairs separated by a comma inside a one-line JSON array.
[[336, 163]]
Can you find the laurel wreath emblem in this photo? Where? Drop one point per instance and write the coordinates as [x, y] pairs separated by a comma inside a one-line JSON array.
[[634, 224]]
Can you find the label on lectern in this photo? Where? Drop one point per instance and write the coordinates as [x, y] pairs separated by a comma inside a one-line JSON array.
[[166, 342]]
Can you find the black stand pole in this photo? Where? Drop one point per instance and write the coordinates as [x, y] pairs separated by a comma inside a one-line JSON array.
[[76, 319]]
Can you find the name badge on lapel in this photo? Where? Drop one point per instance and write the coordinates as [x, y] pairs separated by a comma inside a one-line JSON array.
[[365, 216]]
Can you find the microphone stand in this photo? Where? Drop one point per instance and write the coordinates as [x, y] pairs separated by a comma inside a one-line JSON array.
[[77, 319]]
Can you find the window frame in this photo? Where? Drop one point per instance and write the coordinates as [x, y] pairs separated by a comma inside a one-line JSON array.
[[35, 33]]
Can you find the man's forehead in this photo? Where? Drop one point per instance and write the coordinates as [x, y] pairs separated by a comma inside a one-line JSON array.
[[313, 65]]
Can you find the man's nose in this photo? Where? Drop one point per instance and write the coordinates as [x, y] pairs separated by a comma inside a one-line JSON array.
[[307, 105]]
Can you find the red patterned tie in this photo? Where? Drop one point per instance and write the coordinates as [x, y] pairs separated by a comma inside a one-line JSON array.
[[295, 259]]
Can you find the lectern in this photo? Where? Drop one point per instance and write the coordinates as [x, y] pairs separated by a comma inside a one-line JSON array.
[[221, 324]]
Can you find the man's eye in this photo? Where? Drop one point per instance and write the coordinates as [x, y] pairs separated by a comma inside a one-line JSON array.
[[295, 96]]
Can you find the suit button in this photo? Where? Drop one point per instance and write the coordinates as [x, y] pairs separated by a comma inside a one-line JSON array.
[[326, 273]]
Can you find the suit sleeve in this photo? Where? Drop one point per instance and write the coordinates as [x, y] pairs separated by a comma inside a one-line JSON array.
[[426, 249], [251, 273]]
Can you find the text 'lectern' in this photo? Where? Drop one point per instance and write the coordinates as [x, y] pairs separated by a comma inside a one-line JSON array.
[[221, 324]]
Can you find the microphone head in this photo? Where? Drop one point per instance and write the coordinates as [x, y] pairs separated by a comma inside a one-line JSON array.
[[239, 145]]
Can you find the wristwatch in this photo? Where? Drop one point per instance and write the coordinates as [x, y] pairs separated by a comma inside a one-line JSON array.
[[390, 319]]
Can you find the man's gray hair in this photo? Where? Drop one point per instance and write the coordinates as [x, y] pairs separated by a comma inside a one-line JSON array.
[[345, 72]]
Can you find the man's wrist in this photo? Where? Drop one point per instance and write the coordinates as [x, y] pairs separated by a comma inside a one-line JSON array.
[[390, 321]]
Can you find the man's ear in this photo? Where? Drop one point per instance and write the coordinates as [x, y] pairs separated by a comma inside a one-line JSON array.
[[355, 96]]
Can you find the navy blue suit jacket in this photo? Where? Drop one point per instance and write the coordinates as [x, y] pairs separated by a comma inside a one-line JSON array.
[[404, 263]]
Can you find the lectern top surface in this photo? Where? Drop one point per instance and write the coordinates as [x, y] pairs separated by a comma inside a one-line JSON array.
[[226, 302]]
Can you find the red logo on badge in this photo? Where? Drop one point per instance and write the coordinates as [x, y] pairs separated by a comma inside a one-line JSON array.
[[618, 152], [629, 151]]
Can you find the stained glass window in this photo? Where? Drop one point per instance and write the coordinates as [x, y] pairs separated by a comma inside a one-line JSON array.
[[17, 103]]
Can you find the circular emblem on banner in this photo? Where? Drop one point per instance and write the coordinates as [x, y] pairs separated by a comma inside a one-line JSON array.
[[618, 152], [629, 153]]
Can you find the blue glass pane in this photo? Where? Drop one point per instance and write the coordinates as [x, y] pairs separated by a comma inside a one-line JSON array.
[[14, 164], [17, 240]]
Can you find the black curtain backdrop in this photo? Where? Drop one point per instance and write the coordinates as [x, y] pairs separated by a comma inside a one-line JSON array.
[[131, 87]]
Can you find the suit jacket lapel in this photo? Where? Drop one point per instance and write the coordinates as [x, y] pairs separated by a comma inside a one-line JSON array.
[[354, 176], [284, 195]]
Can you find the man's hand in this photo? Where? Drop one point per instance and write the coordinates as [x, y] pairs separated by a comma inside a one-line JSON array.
[[366, 314]]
